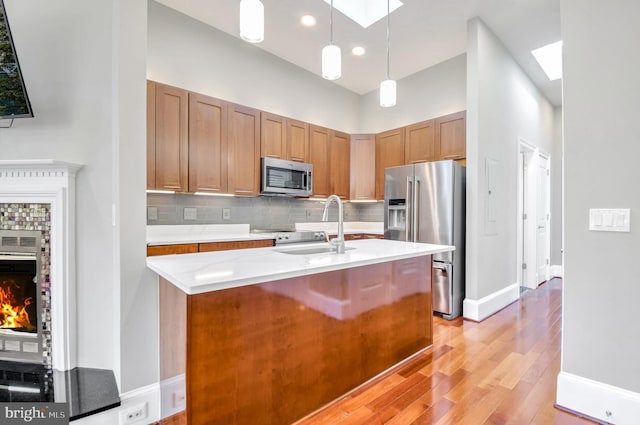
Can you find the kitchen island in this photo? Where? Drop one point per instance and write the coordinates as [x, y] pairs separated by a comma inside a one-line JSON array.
[[268, 335]]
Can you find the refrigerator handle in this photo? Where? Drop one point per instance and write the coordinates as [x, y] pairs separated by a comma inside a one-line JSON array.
[[416, 203], [408, 215]]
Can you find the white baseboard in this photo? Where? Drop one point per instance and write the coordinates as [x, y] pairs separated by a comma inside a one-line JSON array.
[[595, 399], [479, 310], [557, 271], [173, 395], [148, 396]]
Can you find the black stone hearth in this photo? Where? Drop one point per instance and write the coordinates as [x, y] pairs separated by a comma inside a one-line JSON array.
[[87, 391]]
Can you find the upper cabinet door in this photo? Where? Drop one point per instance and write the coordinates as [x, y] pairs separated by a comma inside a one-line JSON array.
[[273, 142], [243, 150], [339, 152], [389, 153], [297, 140], [207, 144], [363, 174], [419, 142], [319, 157], [171, 138], [451, 138], [151, 135]]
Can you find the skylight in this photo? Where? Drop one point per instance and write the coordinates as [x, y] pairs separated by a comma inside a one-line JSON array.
[[550, 59], [365, 12]]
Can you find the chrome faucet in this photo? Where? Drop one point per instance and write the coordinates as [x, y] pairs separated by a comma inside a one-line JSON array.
[[339, 241]]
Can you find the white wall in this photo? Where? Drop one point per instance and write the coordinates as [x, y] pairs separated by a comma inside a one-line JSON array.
[[186, 53], [430, 93], [138, 301], [602, 145], [502, 106], [556, 189], [75, 74]]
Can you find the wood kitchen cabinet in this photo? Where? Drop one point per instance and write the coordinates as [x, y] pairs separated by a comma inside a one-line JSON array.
[[284, 138], [451, 137], [363, 173], [273, 136], [243, 150], [297, 140], [419, 142], [167, 138], [319, 156], [187, 248], [389, 153], [339, 164], [207, 144], [182, 248]]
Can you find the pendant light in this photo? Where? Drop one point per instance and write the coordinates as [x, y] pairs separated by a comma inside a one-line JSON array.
[[388, 86], [252, 21], [331, 56]]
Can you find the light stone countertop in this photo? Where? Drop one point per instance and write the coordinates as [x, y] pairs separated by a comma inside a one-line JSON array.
[[350, 227], [212, 271], [202, 233]]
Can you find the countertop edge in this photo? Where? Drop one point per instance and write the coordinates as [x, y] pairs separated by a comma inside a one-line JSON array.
[[211, 287]]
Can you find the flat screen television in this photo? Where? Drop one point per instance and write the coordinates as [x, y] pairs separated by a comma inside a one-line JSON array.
[[14, 102]]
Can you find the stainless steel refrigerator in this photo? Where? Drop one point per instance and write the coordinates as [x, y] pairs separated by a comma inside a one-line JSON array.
[[425, 202]]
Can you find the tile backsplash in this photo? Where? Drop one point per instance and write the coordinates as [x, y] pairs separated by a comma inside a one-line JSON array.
[[263, 212]]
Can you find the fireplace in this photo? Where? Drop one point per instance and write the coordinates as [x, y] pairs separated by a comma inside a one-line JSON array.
[[21, 318]]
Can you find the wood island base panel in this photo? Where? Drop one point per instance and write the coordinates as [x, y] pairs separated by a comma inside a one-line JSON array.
[[272, 353]]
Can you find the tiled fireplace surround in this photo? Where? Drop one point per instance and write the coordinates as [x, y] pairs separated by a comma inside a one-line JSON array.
[[40, 195]]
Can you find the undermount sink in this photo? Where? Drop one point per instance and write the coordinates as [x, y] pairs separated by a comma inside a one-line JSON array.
[[310, 250]]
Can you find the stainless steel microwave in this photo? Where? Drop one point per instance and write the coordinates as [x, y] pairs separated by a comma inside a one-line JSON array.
[[290, 178]]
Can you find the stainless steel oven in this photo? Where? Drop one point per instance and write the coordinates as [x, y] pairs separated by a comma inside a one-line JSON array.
[[289, 178]]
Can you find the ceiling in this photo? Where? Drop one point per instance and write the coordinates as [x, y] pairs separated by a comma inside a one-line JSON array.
[[423, 33]]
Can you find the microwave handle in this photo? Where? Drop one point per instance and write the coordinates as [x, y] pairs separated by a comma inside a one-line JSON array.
[[307, 180]]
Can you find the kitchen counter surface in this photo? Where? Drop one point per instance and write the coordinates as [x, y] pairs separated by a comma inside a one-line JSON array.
[[202, 233], [350, 227], [212, 271]]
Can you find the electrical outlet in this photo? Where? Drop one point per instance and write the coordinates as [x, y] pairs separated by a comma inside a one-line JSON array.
[[308, 214], [190, 213], [134, 414], [152, 213], [226, 213], [179, 398]]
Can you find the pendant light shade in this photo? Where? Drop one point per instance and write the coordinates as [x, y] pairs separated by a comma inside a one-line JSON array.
[[388, 93], [388, 86], [331, 62], [252, 21], [331, 55]]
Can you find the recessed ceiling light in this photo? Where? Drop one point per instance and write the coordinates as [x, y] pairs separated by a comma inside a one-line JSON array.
[[365, 12], [550, 59], [308, 20], [358, 51]]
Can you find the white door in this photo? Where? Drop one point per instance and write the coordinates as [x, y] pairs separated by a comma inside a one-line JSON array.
[[542, 220]]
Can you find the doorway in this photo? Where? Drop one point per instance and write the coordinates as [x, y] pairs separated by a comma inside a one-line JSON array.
[[533, 215]]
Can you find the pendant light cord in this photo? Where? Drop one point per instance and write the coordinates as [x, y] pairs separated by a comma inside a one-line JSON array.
[[388, 1], [331, 22]]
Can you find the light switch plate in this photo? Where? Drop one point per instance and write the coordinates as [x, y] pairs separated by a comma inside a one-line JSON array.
[[610, 219], [190, 213], [226, 213]]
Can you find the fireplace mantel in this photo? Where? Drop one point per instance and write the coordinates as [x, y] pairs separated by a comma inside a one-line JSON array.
[[52, 182]]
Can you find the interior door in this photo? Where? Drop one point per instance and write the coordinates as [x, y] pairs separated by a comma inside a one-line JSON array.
[[542, 220]]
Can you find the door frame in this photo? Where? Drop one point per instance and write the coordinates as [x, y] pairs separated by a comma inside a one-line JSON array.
[[526, 230]]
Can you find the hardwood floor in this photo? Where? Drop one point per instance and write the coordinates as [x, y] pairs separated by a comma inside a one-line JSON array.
[[500, 371]]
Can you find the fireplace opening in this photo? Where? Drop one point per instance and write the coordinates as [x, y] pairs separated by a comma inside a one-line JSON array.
[[20, 296], [18, 293]]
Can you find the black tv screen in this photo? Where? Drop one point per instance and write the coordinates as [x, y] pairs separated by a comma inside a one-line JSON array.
[[14, 102]]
